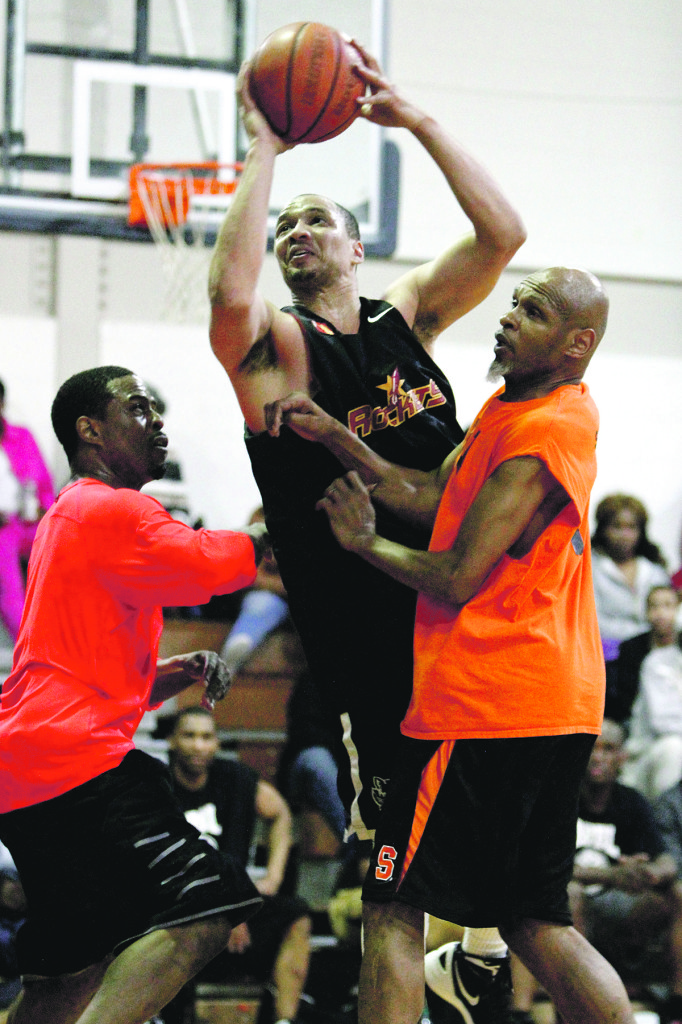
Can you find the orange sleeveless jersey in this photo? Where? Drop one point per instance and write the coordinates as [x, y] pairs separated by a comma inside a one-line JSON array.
[[523, 657]]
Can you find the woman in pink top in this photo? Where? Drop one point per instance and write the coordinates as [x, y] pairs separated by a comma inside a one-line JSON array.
[[29, 494]]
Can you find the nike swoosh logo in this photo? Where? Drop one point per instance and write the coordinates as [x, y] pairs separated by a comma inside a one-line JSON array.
[[472, 1000], [373, 319]]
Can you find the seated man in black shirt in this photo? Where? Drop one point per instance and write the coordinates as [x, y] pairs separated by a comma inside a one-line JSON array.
[[625, 890], [224, 800]]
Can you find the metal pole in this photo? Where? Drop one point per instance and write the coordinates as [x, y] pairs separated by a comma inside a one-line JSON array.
[[139, 140], [198, 99], [15, 63]]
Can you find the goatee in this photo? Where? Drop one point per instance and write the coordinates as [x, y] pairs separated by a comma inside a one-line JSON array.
[[497, 369]]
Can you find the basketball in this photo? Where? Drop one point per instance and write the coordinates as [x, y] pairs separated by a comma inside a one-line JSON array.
[[302, 80]]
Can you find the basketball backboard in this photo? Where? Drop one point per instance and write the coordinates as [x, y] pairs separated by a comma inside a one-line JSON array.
[[94, 86]]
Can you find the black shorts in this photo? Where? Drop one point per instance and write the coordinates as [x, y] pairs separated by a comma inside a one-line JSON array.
[[481, 832], [371, 745], [267, 931], [110, 861]]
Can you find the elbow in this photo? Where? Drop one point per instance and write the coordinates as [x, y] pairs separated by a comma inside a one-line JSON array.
[[510, 237], [506, 238], [221, 293], [228, 317], [519, 236], [227, 289], [462, 589], [459, 596]]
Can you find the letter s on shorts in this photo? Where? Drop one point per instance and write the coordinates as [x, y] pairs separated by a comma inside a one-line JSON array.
[[385, 863]]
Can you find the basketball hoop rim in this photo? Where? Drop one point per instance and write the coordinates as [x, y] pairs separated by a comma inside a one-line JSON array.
[[209, 165], [193, 183]]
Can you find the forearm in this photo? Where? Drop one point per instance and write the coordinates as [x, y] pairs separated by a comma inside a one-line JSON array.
[[172, 677], [410, 493], [494, 219], [279, 845], [433, 573], [593, 875], [663, 870], [242, 240], [501, 515]]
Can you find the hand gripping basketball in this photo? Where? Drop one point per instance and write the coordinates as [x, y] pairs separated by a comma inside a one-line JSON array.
[[302, 79]]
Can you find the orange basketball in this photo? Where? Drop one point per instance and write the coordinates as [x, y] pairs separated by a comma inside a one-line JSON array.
[[302, 80]]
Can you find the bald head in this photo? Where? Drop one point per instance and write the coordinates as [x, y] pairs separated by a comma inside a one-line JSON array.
[[556, 321], [577, 295]]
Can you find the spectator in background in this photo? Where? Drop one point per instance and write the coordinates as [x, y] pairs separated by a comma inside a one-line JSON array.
[[635, 655], [26, 491], [625, 893], [654, 746], [12, 914], [625, 566], [668, 813], [224, 800], [308, 767], [262, 610]]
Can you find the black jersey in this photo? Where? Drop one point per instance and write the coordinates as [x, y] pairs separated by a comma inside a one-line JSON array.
[[356, 623], [225, 808]]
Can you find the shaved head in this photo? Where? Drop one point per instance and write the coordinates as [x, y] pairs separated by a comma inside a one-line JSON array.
[[577, 295]]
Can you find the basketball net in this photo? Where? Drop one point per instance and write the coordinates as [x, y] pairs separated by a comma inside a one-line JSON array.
[[182, 205]]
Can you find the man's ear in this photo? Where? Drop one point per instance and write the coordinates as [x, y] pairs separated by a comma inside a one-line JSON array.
[[581, 343], [358, 251], [88, 430]]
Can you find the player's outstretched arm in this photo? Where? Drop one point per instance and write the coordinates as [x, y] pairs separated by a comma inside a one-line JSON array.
[[247, 332], [514, 505], [239, 314], [173, 675], [411, 493], [436, 294]]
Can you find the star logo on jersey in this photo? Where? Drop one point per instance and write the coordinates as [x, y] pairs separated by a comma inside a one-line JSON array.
[[393, 387], [401, 404]]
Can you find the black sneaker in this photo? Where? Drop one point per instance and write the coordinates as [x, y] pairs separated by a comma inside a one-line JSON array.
[[477, 988]]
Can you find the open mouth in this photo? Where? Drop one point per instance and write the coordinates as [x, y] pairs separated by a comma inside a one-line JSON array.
[[297, 254], [502, 343]]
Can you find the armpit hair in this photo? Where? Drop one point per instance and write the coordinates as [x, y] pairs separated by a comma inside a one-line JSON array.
[[426, 327], [261, 356]]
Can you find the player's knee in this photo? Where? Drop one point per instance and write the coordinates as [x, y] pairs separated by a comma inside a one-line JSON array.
[[295, 945], [203, 940], [392, 925], [300, 930], [520, 935]]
